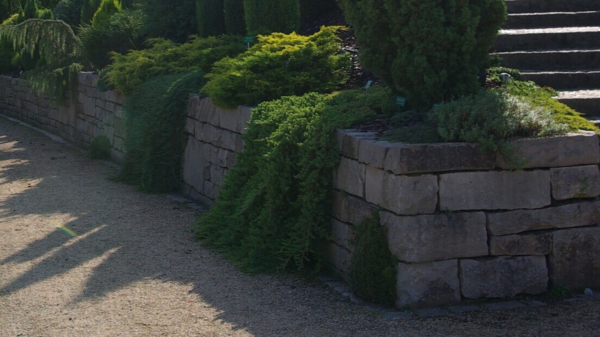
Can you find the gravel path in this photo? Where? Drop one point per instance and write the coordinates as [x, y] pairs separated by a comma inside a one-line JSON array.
[[133, 268]]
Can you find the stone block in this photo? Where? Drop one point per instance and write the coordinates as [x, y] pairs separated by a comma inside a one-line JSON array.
[[340, 258], [503, 276], [372, 152], [193, 162], [239, 143], [349, 209], [245, 116], [570, 150], [575, 182], [374, 181], [575, 258], [342, 234], [350, 142], [527, 244], [204, 132], [424, 158], [206, 112], [437, 237], [427, 284], [408, 195], [573, 215], [350, 177], [222, 138], [229, 119], [193, 101], [217, 175], [494, 190], [190, 126]]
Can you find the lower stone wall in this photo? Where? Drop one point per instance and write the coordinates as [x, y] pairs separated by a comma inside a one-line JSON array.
[[78, 119], [214, 138], [464, 225], [461, 223]]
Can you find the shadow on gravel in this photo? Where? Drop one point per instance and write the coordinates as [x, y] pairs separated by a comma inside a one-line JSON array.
[[132, 237]]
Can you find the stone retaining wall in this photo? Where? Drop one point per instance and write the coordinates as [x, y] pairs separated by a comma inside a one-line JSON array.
[[464, 225], [214, 137], [79, 121]]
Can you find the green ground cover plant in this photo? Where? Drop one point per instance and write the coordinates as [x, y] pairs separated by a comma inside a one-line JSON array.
[[155, 118], [130, 70], [272, 213], [278, 65], [373, 266]]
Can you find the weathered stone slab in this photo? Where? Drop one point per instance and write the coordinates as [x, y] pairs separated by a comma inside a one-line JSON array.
[[340, 258], [443, 157], [575, 258], [349, 141], [570, 150], [408, 195], [349, 209], [373, 152], [503, 276], [192, 164], [342, 234], [573, 215], [374, 185], [427, 284], [428, 238], [350, 177], [190, 126], [206, 112], [575, 182], [494, 190], [528, 244]]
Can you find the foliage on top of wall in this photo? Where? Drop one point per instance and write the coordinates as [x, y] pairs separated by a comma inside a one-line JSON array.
[[166, 57], [56, 43], [155, 119], [273, 210], [279, 65], [430, 49]]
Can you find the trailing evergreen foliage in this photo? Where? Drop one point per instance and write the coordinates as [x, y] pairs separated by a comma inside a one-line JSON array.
[[490, 118], [235, 22], [173, 20], [105, 11], [58, 46], [278, 65], [155, 120], [211, 18], [544, 98], [373, 266], [273, 210], [430, 49], [123, 32], [166, 57], [269, 16]]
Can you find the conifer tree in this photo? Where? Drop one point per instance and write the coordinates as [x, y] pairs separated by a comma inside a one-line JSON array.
[[268, 16]]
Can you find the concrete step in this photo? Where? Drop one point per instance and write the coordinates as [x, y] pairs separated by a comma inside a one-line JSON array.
[[551, 60], [564, 80], [552, 20], [539, 6], [548, 38], [585, 101]]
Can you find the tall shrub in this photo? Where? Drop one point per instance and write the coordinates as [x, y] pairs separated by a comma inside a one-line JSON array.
[[430, 49], [268, 16], [69, 11], [88, 9], [105, 11], [211, 20], [235, 23], [173, 20]]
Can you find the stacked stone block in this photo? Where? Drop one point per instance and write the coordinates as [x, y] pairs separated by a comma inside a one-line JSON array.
[[78, 119], [464, 224], [214, 138]]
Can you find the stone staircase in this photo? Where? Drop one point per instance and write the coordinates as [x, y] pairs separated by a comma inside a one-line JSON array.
[[556, 43]]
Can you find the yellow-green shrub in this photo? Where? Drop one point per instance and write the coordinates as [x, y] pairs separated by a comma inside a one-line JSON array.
[[166, 57], [278, 65]]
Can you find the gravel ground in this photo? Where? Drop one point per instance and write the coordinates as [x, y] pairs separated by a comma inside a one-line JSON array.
[[133, 268]]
